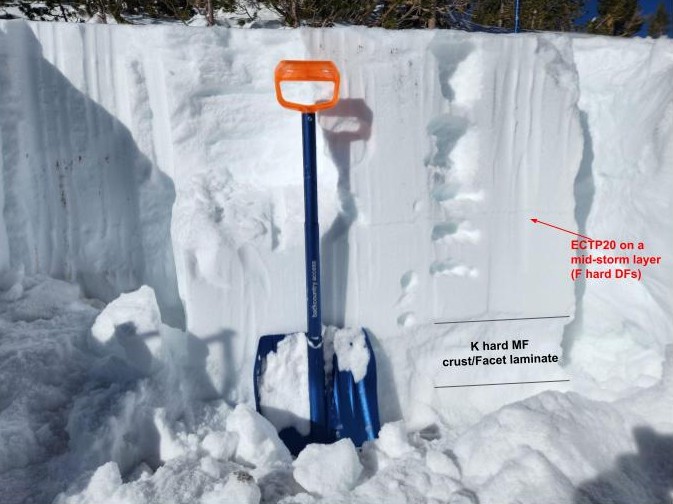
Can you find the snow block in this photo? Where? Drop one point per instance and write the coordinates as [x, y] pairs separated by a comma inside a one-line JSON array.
[[328, 469], [258, 441], [130, 329], [220, 445]]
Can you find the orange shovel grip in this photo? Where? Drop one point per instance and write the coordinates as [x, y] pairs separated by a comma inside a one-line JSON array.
[[313, 71]]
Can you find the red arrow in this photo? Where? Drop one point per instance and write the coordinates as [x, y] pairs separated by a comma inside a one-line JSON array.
[[560, 228]]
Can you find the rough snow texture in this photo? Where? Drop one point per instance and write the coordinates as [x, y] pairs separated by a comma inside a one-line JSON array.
[[172, 447], [352, 352], [328, 469], [283, 385], [42, 366], [84, 421], [259, 444], [160, 157]]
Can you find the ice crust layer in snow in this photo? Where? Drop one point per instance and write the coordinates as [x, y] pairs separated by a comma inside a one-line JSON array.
[[160, 157]]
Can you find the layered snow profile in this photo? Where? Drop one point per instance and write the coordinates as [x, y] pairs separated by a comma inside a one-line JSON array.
[[152, 169]]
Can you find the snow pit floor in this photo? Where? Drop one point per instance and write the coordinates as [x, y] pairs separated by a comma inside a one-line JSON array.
[[94, 426]]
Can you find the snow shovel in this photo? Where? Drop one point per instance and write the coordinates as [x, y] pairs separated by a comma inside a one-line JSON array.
[[340, 406]]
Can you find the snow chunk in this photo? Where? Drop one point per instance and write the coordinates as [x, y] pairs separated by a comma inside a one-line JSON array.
[[283, 386], [138, 308], [172, 444], [240, 488], [102, 486], [105, 480], [185, 480], [129, 328], [351, 351], [258, 442], [220, 445], [328, 469], [393, 440]]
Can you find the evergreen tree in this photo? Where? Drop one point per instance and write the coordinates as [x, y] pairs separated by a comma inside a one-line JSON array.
[[494, 13], [620, 18], [659, 22], [316, 13], [400, 14], [393, 14], [550, 15]]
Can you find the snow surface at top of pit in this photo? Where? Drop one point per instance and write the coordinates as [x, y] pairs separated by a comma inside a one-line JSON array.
[[162, 158]]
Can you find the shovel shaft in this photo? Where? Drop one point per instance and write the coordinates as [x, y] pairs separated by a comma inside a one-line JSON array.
[[316, 362], [311, 232]]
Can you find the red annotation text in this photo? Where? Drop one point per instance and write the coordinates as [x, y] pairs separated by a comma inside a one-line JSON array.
[[594, 265]]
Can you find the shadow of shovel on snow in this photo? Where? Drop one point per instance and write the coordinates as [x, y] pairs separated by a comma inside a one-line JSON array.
[[348, 122]]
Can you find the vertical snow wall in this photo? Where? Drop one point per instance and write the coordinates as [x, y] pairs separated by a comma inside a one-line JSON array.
[[160, 156]]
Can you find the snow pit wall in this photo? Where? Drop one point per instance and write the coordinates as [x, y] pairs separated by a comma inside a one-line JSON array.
[[160, 156]]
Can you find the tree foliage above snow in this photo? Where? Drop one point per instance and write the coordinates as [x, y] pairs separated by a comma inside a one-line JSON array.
[[114, 11], [621, 18], [538, 15], [659, 23], [615, 17]]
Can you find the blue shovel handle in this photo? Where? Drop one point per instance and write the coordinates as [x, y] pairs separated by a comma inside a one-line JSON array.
[[316, 71], [316, 361], [311, 231]]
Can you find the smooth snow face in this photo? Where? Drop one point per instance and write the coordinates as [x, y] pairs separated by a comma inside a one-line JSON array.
[[443, 146], [283, 385], [83, 200]]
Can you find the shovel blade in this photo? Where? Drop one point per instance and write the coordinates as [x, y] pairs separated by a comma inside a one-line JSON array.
[[353, 406], [354, 411], [291, 436]]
